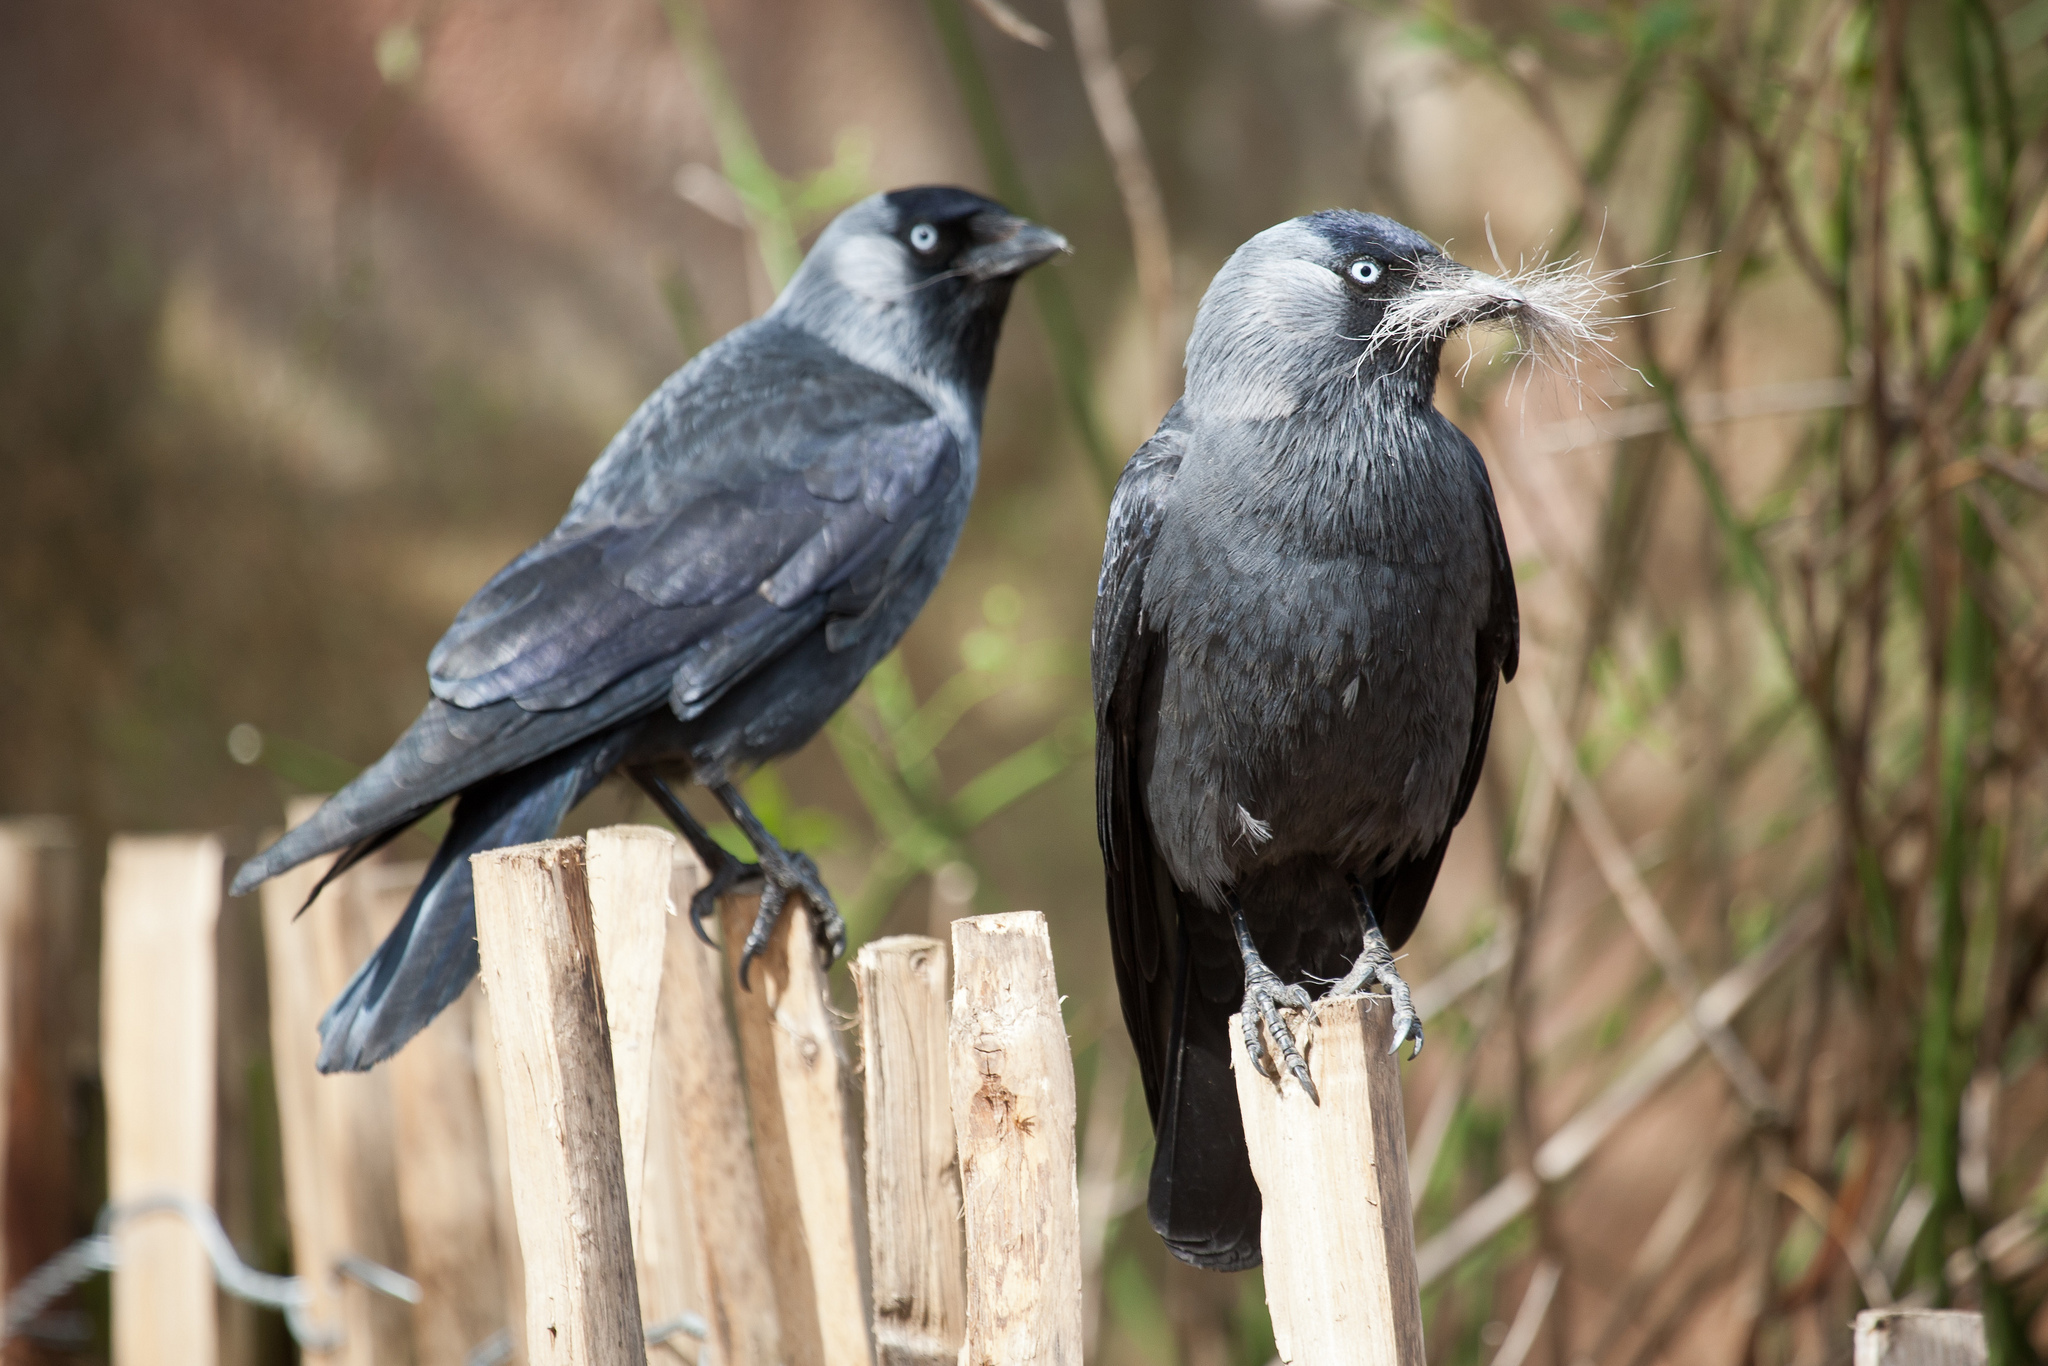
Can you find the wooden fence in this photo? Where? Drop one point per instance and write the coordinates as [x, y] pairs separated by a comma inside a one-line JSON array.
[[604, 1154]]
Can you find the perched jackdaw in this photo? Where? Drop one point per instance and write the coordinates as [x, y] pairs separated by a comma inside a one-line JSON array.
[[757, 536], [1305, 609]]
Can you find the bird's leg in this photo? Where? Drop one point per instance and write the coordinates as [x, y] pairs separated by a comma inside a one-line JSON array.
[[728, 870], [1376, 964], [782, 872], [1264, 995]]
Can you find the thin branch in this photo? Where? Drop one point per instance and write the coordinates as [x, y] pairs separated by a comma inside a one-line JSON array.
[[1144, 207], [1640, 907], [1012, 24], [1565, 1151], [1770, 167]]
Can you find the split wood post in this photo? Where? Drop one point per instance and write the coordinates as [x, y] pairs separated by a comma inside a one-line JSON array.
[[1012, 1080], [539, 960], [447, 1200], [629, 868], [913, 1159], [798, 1084], [702, 1107], [1920, 1337], [491, 1092], [157, 1025], [335, 1132], [1338, 1232], [51, 1037]]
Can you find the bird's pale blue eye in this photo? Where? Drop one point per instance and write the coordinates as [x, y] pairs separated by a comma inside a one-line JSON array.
[[1365, 271], [924, 237]]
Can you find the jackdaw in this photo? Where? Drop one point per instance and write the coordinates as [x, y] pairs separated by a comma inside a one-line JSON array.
[[1305, 609], [755, 538]]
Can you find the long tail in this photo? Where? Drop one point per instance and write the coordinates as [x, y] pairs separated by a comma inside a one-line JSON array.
[[430, 955], [1203, 1200]]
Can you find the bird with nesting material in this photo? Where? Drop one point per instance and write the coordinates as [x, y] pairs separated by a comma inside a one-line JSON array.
[[757, 536], [1305, 610]]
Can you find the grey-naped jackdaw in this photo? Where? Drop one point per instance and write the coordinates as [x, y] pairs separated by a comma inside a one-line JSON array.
[[755, 538], [1305, 609]]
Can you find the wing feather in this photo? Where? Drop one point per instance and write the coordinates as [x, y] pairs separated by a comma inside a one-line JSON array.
[[1125, 655]]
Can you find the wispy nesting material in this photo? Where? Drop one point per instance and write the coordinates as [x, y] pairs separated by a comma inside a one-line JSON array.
[[1555, 309]]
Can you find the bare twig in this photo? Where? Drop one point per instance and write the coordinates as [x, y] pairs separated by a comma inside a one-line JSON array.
[[1144, 207], [1012, 24], [1644, 915]]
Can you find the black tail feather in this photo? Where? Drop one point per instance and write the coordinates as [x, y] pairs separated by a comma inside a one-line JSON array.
[[430, 955], [1203, 1200]]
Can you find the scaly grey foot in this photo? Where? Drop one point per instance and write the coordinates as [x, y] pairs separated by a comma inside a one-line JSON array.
[[1264, 997], [1376, 964], [782, 873], [729, 872]]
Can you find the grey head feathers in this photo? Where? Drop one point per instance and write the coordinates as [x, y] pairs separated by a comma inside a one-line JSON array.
[[912, 284], [1309, 310]]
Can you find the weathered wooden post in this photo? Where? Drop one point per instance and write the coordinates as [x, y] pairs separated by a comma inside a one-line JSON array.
[[539, 957], [1920, 1337], [797, 1082], [1338, 1231], [157, 1017], [44, 956], [1012, 1079], [707, 1120], [629, 869], [335, 1131], [447, 1200], [490, 1092], [913, 1158]]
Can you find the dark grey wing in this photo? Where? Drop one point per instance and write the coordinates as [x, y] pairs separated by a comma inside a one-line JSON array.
[[1125, 655], [720, 586], [789, 512], [1400, 894]]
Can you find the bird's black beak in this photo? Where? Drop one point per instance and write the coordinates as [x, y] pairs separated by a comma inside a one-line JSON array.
[[1482, 298], [1005, 244]]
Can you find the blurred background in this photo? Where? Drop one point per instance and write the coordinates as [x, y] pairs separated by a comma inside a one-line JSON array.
[[311, 317]]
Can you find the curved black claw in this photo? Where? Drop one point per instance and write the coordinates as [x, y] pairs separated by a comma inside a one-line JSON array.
[[728, 875], [1376, 964], [1264, 996], [782, 874]]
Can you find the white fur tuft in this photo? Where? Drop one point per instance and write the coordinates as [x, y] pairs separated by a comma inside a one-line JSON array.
[[1553, 308]]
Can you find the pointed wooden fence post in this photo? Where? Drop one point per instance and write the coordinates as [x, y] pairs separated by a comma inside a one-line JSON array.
[[913, 1158], [47, 1020], [540, 973], [341, 1185], [707, 1130], [1012, 1080], [157, 1026], [1338, 1232], [447, 1201], [1920, 1337], [804, 1139]]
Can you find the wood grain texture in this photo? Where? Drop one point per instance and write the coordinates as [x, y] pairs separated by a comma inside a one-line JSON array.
[[1338, 1233], [336, 1132], [446, 1197], [913, 1159], [539, 957], [701, 1116], [51, 1037], [157, 1026], [629, 870], [491, 1095], [805, 1139], [1012, 1080], [1920, 1337], [447, 1202]]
